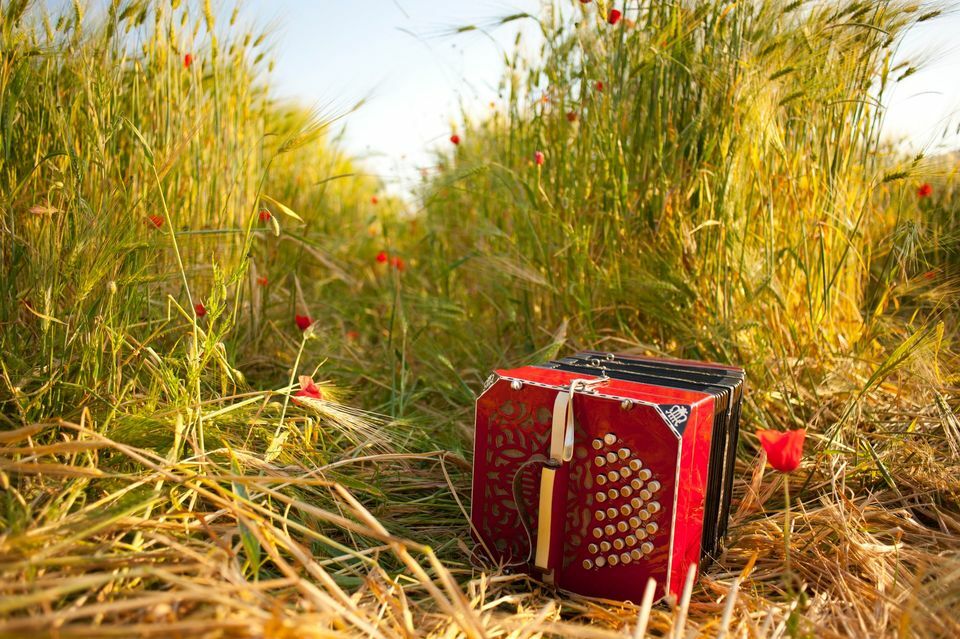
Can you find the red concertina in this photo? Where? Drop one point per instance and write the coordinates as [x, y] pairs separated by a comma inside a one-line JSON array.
[[599, 471]]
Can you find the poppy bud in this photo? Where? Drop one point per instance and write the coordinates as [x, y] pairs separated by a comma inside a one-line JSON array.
[[303, 321]]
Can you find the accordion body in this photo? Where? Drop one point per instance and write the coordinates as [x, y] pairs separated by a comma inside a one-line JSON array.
[[599, 471]]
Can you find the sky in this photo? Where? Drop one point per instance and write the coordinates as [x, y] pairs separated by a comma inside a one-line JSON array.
[[404, 58], [923, 110]]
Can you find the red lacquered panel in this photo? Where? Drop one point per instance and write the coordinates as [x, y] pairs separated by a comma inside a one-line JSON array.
[[691, 496], [620, 503], [511, 428]]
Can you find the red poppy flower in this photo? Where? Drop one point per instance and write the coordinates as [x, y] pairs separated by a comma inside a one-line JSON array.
[[614, 16], [307, 389], [571, 116], [539, 158], [455, 139], [352, 336], [924, 190], [264, 215], [374, 199], [303, 321], [200, 309], [382, 257], [262, 280], [187, 61], [156, 220], [784, 449], [398, 264], [600, 85]]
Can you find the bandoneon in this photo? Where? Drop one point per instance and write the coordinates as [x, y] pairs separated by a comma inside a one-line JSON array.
[[599, 471]]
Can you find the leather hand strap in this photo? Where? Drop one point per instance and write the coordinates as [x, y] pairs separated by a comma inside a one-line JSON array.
[[561, 451], [522, 505]]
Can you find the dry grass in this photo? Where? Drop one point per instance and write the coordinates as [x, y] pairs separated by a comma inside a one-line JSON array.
[[165, 548]]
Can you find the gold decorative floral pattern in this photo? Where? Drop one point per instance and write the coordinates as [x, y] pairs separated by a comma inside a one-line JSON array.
[[516, 432]]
